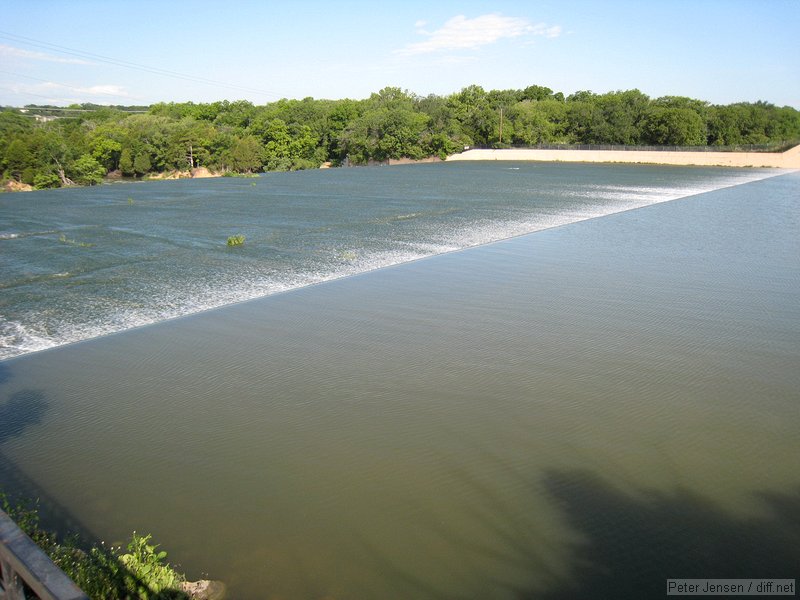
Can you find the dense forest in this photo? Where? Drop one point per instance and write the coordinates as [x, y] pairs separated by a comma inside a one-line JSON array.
[[52, 147]]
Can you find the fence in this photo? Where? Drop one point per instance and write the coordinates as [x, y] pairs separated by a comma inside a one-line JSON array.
[[775, 147], [24, 565]]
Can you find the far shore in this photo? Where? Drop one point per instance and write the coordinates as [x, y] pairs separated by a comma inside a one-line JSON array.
[[779, 160], [117, 177], [790, 159]]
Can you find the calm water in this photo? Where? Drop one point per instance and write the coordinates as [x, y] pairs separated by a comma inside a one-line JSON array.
[[76, 264], [581, 412]]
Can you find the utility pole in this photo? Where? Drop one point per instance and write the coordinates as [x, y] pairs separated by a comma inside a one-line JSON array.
[[501, 124]]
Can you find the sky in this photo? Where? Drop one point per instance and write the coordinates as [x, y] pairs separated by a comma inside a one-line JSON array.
[[137, 53]]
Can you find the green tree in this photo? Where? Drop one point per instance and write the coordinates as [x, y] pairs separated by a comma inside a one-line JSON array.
[[339, 116], [142, 164], [246, 155], [17, 158], [186, 143], [536, 93], [86, 171], [277, 146], [238, 114], [538, 122], [389, 127], [149, 134], [675, 127], [624, 114], [106, 151], [478, 119], [381, 133], [126, 162], [56, 152], [585, 123], [46, 180]]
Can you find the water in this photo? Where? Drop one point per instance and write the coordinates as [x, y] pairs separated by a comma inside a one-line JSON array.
[[582, 412], [77, 264]]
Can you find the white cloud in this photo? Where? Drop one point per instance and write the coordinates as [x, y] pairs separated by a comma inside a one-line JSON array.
[[460, 33], [56, 91], [550, 32], [106, 90], [10, 51]]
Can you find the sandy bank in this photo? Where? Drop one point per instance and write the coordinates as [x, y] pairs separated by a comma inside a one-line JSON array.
[[16, 186], [784, 160]]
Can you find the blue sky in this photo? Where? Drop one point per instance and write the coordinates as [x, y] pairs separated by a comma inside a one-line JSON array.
[[722, 51]]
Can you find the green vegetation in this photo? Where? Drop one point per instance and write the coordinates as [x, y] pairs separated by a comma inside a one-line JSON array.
[[148, 568], [239, 137], [100, 571], [236, 240], [65, 240]]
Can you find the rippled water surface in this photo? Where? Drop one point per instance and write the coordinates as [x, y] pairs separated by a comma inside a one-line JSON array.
[[76, 264], [581, 412]]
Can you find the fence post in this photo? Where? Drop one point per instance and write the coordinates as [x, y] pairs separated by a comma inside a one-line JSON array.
[[11, 585], [23, 561]]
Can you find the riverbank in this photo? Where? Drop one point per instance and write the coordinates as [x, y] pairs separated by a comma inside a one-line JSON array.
[[784, 160], [116, 177]]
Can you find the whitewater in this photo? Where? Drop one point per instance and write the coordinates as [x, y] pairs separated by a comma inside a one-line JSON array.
[[80, 263]]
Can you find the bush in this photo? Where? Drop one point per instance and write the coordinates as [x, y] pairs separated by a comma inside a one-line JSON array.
[[46, 180], [236, 240], [149, 573], [28, 175], [87, 171]]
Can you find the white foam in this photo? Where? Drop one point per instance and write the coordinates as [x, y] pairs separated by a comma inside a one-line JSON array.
[[168, 302], [16, 339]]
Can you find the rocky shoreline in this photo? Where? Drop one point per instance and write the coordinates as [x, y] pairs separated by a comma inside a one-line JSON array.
[[116, 176]]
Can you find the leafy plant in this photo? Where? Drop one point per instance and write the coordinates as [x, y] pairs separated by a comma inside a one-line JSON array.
[[150, 574], [42, 181], [236, 240]]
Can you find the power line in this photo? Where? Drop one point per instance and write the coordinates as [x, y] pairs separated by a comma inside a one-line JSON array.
[[130, 65]]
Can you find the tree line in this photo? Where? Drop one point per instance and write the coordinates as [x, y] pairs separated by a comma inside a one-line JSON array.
[[85, 145]]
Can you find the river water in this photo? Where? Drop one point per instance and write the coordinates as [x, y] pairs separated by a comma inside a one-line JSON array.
[[585, 411], [80, 263]]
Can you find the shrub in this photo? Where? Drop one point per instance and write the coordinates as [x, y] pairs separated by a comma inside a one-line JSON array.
[[46, 180], [236, 240], [87, 171], [146, 569]]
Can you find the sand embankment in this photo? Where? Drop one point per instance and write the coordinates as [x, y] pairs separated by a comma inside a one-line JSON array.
[[783, 160]]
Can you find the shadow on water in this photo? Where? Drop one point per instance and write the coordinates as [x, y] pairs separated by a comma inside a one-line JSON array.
[[632, 544], [5, 373], [20, 411]]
